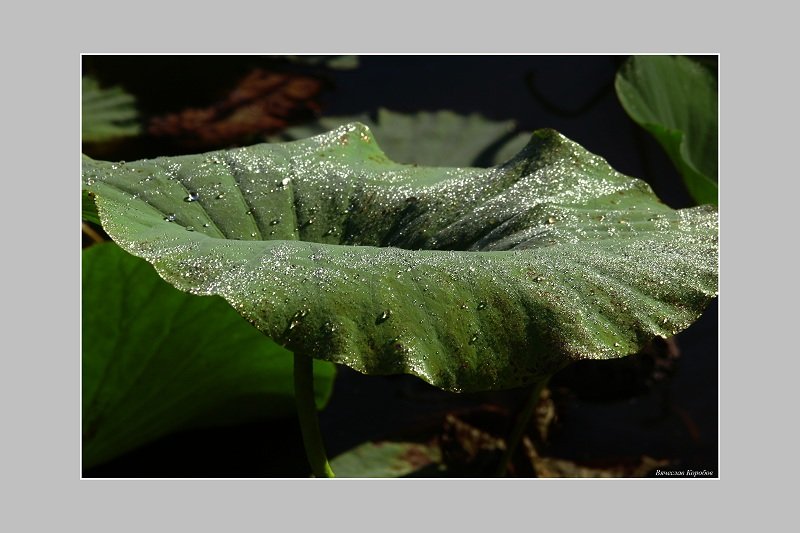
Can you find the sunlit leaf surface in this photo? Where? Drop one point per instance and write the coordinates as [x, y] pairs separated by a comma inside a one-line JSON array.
[[471, 279]]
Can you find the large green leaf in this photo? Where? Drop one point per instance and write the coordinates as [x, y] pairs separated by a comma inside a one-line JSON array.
[[156, 360], [675, 99], [441, 138], [107, 113], [471, 279]]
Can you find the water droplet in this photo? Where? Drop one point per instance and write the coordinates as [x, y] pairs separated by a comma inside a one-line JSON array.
[[275, 222], [551, 220], [297, 318], [193, 196], [253, 234], [481, 306], [170, 218], [284, 182], [616, 345], [206, 225], [383, 317], [473, 339], [220, 196], [331, 231], [189, 228]]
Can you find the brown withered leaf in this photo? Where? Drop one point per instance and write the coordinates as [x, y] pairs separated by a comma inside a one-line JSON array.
[[468, 446], [262, 103], [561, 468]]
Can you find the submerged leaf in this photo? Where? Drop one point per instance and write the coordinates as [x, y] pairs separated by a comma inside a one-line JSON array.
[[157, 360], [107, 113], [675, 99], [386, 459], [472, 279]]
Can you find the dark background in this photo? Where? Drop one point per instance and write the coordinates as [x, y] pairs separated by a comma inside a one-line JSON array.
[[608, 414]]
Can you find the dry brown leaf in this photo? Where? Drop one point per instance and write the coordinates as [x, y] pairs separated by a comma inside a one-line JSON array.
[[262, 103]]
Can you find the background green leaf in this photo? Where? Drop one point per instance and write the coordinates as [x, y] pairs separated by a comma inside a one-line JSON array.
[[107, 113], [472, 279], [675, 99], [336, 62], [157, 360], [88, 209], [439, 139]]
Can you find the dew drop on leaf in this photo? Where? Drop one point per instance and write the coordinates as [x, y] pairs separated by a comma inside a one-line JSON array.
[[170, 217], [193, 196], [383, 317], [297, 318]]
